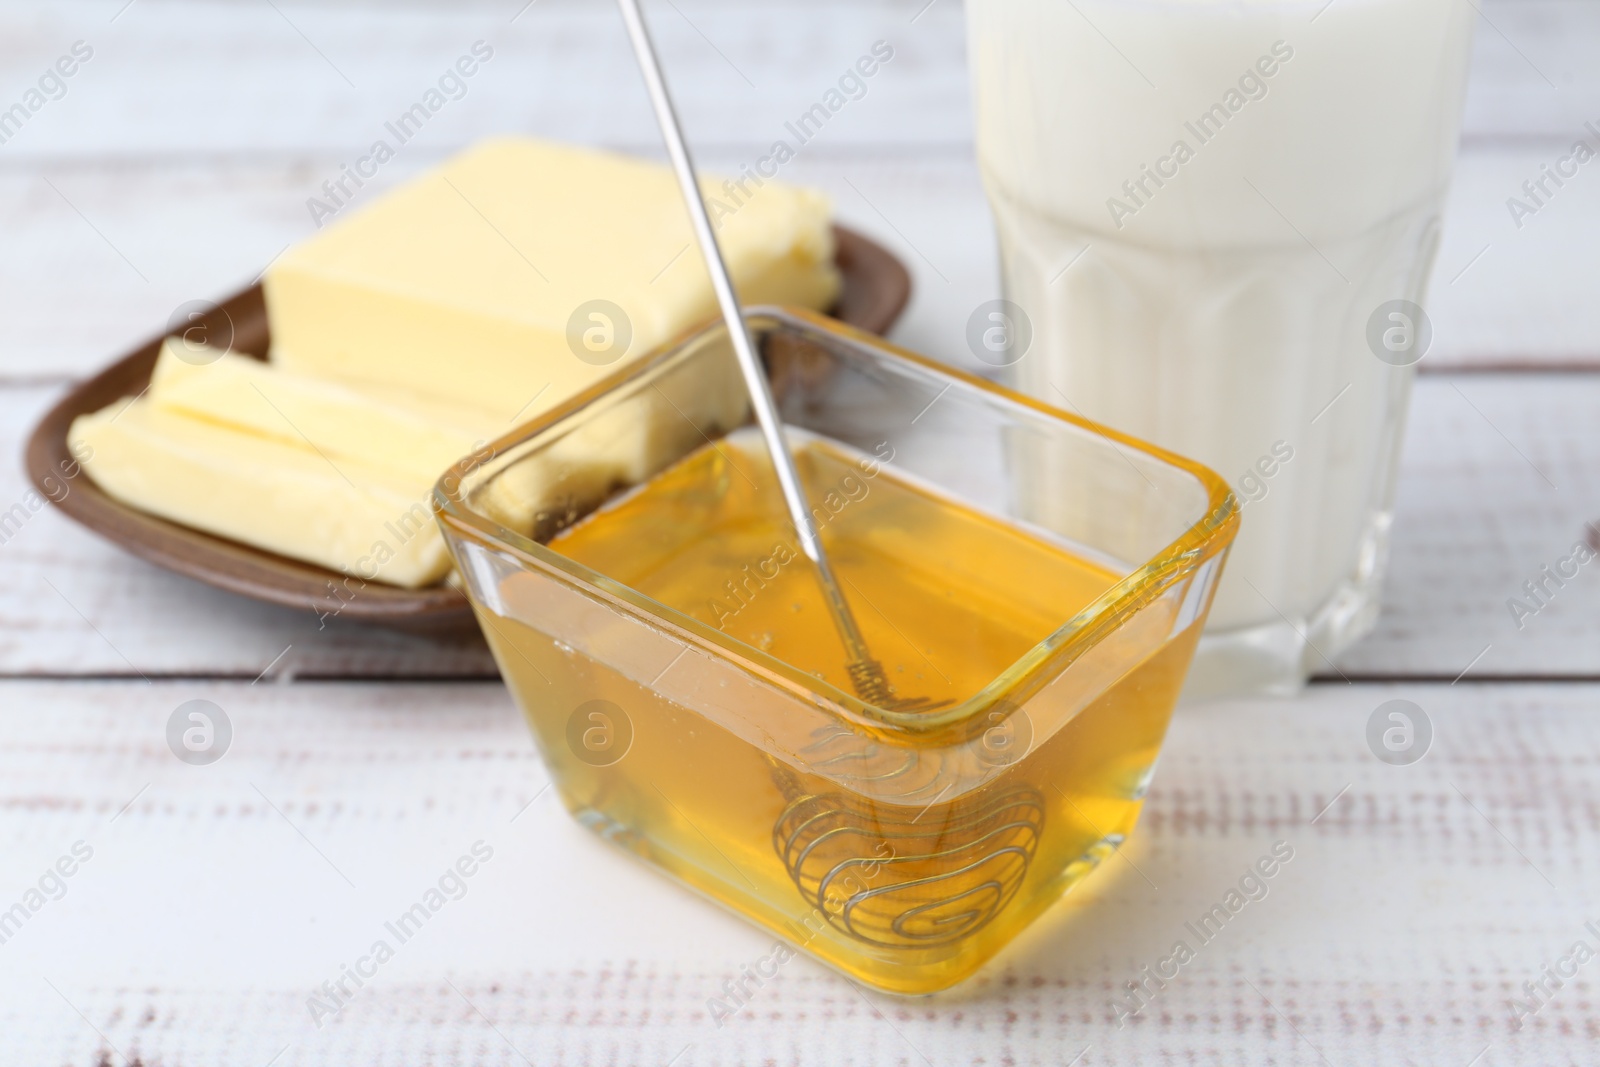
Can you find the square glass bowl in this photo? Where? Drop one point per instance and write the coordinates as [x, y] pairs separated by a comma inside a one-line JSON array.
[[904, 847]]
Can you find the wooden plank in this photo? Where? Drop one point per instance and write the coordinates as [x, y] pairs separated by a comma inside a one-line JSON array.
[[99, 257], [198, 79], [1531, 79], [192, 78], [1509, 292], [1418, 901], [1495, 484], [1476, 519]]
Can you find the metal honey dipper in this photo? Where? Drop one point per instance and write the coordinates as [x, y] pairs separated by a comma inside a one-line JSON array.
[[901, 875], [866, 673], [933, 876]]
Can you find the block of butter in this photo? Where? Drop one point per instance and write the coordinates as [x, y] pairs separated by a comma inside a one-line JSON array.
[[409, 335], [344, 514], [522, 271]]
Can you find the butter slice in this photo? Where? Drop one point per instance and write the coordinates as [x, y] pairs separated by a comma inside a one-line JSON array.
[[404, 440], [460, 285], [414, 439], [346, 515]]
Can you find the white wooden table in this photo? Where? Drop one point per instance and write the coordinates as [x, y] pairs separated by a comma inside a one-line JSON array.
[[218, 899]]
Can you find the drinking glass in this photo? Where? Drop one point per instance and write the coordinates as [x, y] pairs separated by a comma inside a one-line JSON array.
[[1216, 223]]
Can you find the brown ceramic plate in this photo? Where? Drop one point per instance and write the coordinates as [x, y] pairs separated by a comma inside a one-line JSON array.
[[876, 288]]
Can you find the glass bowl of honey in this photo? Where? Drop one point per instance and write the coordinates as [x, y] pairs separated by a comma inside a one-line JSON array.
[[1031, 584]]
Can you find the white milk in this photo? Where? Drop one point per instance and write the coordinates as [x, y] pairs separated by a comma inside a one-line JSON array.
[[1200, 206]]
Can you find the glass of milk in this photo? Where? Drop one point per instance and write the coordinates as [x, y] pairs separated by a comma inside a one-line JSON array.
[[1218, 220]]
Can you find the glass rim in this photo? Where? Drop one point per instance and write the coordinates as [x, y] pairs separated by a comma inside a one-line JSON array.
[[1210, 534]]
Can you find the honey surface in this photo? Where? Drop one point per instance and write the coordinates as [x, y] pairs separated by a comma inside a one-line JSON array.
[[946, 597]]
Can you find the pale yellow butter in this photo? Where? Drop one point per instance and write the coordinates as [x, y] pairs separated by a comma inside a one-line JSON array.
[[621, 442], [535, 488], [346, 514], [410, 334], [416, 440], [461, 285]]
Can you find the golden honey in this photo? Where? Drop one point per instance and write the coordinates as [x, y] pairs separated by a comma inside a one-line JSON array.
[[875, 849]]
